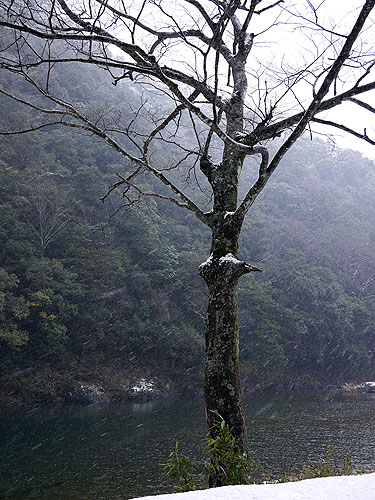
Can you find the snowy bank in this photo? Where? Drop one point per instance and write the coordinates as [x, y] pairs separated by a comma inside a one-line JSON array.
[[327, 488]]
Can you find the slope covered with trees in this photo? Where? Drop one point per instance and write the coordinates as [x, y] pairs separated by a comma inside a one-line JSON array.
[[85, 294], [214, 64]]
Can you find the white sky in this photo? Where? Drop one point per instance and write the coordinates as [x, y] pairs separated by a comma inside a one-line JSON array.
[[281, 45], [288, 46]]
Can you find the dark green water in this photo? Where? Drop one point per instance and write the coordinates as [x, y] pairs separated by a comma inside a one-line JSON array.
[[115, 451]]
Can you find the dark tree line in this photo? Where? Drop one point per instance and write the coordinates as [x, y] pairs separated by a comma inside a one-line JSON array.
[[92, 296]]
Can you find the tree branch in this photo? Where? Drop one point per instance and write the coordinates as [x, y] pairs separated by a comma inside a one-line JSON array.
[[362, 104], [325, 86], [141, 162], [254, 191], [263, 133], [344, 128]]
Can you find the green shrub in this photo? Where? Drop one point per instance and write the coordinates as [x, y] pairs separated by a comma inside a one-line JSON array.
[[327, 466], [225, 464], [180, 468]]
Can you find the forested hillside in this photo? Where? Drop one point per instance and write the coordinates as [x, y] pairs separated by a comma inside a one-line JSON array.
[[89, 291]]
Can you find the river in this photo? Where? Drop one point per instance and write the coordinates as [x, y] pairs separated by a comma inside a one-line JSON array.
[[115, 451]]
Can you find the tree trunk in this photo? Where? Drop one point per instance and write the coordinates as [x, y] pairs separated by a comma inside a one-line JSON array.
[[221, 272], [222, 371]]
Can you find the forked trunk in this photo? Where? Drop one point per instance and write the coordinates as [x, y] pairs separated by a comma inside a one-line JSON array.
[[221, 272]]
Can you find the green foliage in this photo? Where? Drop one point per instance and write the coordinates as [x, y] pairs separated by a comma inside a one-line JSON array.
[[327, 466], [225, 464], [130, 293], [180, 468], [13, 309]]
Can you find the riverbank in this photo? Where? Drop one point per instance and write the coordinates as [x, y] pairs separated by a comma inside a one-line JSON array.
[[327, 488], [86, 385]]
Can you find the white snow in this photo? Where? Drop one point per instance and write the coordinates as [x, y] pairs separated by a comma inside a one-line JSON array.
[[228, 214], [229, 257], [361, 487], [208, 262], [143, 386]]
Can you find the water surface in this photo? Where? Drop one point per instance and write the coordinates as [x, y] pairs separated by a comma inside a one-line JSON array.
[[114, 451]]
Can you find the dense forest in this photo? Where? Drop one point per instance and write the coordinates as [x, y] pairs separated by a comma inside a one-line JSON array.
[[92, 291]]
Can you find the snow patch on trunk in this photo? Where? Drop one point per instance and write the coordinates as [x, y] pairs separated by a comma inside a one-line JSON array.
[[228, 214], [206, 263], [229, 257]]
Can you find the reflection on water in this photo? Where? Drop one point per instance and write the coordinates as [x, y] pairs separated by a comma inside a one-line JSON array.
[[115, 451]]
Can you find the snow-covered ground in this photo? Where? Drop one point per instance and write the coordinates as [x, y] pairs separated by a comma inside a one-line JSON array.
[[328, 488]]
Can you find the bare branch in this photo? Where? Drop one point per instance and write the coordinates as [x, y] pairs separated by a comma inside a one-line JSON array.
[[325, 86], [260, 11], [344, 128], [30, 129], [263, 133], [167, 120], [362, 104], [212, 27], [255, 190]]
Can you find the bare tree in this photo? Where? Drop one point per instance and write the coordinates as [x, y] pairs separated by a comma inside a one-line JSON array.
[[222, 66], [44, 209]]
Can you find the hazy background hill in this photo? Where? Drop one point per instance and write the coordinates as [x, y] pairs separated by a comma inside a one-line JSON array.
[[84, 295]]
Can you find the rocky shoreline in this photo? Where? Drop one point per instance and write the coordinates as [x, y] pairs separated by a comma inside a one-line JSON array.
[[140, 389], [29, 387], [364, 387]]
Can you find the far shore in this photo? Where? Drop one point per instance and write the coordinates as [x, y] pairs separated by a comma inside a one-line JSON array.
[[29, 387]]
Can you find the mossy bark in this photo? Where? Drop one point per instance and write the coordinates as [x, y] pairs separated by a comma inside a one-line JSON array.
[[222, 272], [222, 368], [222, 371]]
